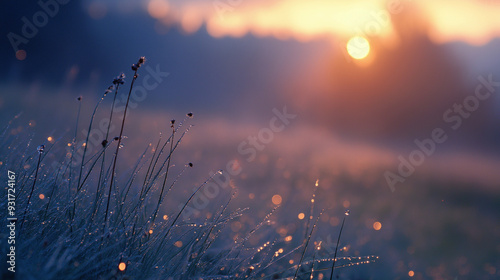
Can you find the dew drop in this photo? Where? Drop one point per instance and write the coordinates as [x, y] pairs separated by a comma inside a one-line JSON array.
[[121, 146], [347, 212]]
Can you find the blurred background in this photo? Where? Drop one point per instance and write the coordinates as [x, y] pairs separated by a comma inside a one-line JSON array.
[[365, 80]]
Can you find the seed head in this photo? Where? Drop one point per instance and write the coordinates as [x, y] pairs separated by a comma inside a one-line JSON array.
[[119, 80], [139, 63], [40, 148]]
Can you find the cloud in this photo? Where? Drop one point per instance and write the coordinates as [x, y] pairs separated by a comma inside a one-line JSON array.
[[475, 22]]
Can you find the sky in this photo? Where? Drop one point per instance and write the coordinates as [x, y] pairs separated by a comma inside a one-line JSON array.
[[233, 63]]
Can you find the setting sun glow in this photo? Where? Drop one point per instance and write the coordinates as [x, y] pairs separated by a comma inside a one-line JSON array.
[[358, 47]]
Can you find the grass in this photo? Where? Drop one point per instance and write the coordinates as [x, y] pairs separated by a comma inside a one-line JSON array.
[[93, 223]]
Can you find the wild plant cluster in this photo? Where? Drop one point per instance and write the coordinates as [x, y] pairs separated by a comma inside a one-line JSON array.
[[79, 218]]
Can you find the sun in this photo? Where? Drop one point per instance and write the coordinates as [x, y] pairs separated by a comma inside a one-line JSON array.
[[358, 47]]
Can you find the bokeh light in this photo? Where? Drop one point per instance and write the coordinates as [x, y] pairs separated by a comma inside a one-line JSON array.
[[122, 266], [21, 55], [276, 199]]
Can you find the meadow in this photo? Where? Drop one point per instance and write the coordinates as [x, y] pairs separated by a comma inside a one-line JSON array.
[[83, 212]]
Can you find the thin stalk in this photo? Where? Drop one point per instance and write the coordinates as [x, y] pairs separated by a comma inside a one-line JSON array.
[[135, 67], [73, 145], [150, 164], [105, 142], [166, 174], [313, 200], [180, 212], [52, 192], [305, 246], [32, 189], [87, 142], [338, 241]]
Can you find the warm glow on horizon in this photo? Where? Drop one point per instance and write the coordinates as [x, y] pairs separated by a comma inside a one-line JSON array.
[[443, 21], [358, 47], [158, 8]]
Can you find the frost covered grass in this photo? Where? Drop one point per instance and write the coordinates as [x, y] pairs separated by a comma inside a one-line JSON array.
[[80, 217]]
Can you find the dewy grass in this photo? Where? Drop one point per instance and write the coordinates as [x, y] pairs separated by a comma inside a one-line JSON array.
[[40, 152], [166, 172], [86, 143], [306, 243], [347, 212], [135, 67], [120, 80], [66, 235], [73, 144]]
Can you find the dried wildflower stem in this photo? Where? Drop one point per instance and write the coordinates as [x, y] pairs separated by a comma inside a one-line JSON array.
[[313, 200], [314, 260], [206, 244], [86, 142], [158, 173], [117, 82], [73, 144], [156, 161], [40, 151], [78, 186], [101, 153], [306, 244], [137, 205], [135, 67], [338, 241], [150, 164], [123, 196], [52, 193], [179, 214], [166, 173]]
